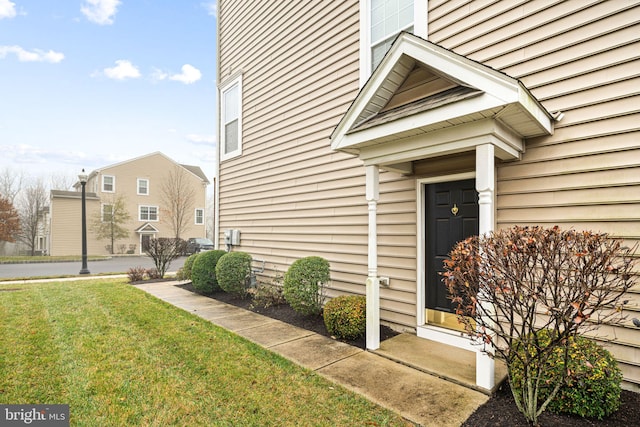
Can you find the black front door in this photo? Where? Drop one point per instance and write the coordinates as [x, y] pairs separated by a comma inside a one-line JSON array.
[[451, 216]]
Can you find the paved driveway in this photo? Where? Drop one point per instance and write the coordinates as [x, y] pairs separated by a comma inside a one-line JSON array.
[[114, 265]]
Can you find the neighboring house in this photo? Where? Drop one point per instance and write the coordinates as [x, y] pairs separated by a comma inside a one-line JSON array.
[[143, 185], [376, 134]]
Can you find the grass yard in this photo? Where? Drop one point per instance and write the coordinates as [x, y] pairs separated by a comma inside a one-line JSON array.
[[120, 357]]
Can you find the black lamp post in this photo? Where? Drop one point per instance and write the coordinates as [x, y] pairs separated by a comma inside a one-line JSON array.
[[83, 181]]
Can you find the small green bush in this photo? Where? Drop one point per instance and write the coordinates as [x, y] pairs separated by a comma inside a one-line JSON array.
[[346, 316], [304, 284], [184, 273], [203, 271], [234, 273], [592, 389]]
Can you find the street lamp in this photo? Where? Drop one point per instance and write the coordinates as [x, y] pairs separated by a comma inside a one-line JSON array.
[[83, 181]]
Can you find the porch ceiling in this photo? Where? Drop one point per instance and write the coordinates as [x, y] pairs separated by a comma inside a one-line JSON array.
[[426, 101]]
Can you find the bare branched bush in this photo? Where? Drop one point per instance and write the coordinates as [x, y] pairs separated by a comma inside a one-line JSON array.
[[163, 250], [514, 282]]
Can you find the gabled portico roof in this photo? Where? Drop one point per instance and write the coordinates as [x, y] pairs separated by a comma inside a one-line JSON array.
[[146, 228], [424, 101]]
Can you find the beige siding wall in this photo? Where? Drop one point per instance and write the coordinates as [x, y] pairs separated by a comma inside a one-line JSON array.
[[156, 168], [290, 196], [66, 226], [581, 58]]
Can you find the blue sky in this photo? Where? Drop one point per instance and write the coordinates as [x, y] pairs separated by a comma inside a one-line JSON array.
[[89, 83]]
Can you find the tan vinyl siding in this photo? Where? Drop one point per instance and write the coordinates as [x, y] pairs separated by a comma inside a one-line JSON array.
[[580, 58], [66, 226], [291, 196]]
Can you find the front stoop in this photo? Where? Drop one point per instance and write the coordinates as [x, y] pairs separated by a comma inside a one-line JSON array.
[[442, 360]]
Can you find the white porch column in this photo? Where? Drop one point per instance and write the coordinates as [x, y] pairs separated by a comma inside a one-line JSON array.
[[373, 283], [485, 183]]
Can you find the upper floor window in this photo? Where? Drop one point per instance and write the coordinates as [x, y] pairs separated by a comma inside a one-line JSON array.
[[148, 213], [108, 183], [199, 216], [231, 119], [381, 21], [143, 187]]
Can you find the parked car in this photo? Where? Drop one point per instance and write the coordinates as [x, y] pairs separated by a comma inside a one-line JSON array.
[[198, 244]]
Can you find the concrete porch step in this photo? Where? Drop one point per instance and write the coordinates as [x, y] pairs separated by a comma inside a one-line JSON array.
[[441, 360]]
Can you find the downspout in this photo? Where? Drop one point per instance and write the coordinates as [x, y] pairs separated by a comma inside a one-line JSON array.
[[373, 282], [216, 161]]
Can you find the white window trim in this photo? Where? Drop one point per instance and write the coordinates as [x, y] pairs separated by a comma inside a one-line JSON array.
[[225, 156], [148, 220], [113, 185], [138, 187], [195, 218], [420, 29], [102, 210]]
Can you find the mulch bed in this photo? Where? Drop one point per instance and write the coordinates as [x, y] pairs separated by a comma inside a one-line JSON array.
[[285, 313], [499, 411]]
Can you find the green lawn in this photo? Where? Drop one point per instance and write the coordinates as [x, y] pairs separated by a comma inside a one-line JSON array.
[[120, 357]]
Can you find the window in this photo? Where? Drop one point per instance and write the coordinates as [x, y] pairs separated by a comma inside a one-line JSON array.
[[143, 187], [108, 184], [381, 21], [107, 213], [148, 213], [231, 120], [199, 216]]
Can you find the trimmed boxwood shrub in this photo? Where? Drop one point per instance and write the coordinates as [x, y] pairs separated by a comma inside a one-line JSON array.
[[304, 283], [203, 271], [184, 272], [592, 388], [234, 272], [346, 316]]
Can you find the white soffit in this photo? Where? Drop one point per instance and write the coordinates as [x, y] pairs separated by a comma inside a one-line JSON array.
[[477, 93]]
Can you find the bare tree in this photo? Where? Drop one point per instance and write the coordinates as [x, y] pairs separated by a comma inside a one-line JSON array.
[[178, 199], [33, 203], [108, 222], [11, 183], [61, 181]]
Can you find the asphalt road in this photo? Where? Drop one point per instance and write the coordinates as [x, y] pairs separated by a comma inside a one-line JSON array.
[[114, 265]]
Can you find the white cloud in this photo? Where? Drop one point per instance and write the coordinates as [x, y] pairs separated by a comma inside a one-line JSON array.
[[212, 8], [7, 9], [100, 12], [36, 55], [123, 70], [190, 74]]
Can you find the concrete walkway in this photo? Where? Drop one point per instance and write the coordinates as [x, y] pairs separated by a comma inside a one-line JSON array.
[[419, 397]]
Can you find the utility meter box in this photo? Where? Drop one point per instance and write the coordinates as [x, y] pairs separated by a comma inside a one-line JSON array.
[[232, 237]]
